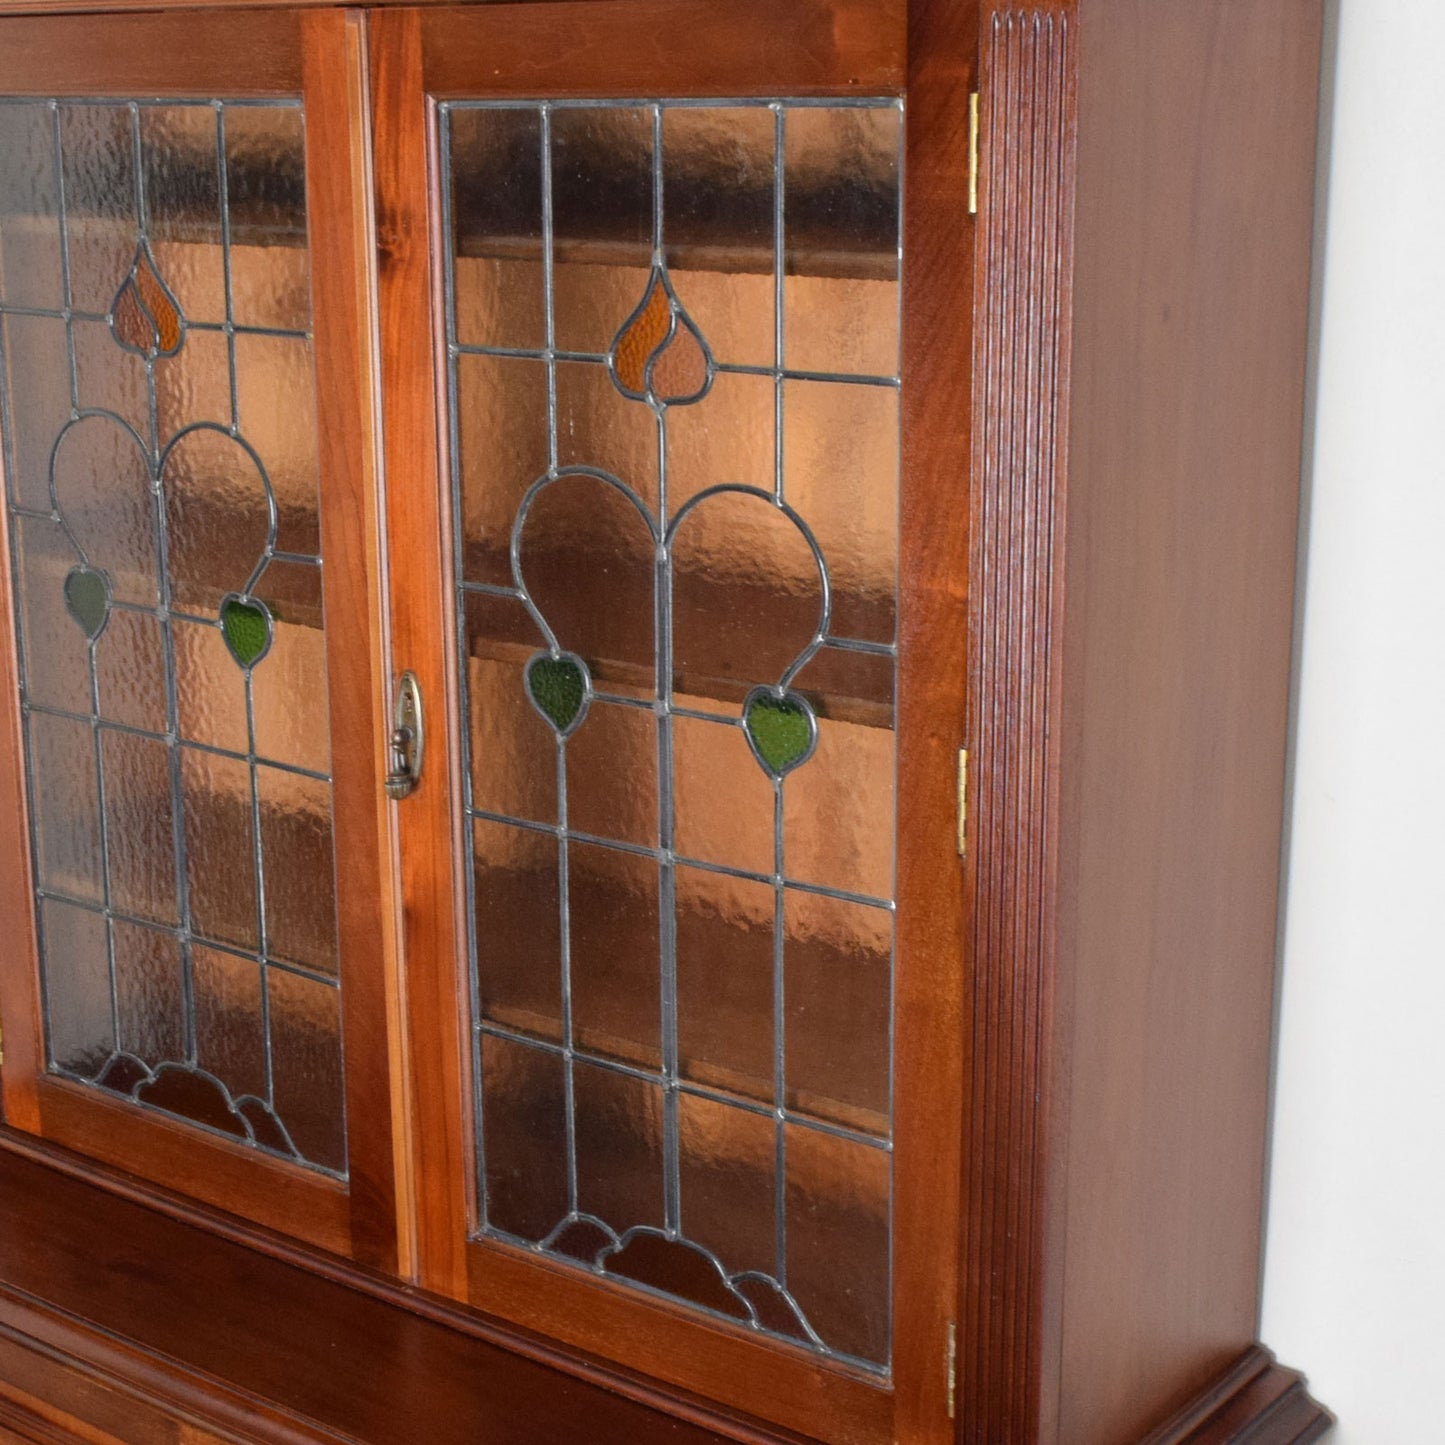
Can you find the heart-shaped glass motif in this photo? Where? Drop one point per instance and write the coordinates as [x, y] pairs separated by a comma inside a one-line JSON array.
[[87, 599], [560, 689], [782, 729], [246, 626]]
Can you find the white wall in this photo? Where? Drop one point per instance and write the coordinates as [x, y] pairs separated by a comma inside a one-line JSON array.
[[1355, 1261]]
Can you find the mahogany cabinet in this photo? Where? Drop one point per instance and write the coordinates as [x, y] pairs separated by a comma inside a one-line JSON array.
[[643, 709]]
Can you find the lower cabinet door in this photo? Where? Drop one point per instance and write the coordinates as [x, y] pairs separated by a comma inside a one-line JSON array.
[[685, 999], [193, 970]]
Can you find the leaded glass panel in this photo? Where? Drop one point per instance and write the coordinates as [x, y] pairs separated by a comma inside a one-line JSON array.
[[673, 367], [157, 396]]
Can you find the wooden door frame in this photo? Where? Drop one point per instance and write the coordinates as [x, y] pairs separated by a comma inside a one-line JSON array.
[[817, 47], [319, 58]]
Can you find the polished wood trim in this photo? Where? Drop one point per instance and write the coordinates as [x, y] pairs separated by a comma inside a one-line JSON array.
[[1020, 464], [422, 626], [1257, 1402], [680, 1347], [213, 1169], [664, 47], [179, 52], [21, 1026], [931, 923], [339, 211]]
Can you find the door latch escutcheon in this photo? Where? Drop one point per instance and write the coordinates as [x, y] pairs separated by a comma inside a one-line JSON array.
[[408, 740]]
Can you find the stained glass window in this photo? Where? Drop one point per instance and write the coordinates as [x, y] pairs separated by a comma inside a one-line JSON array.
[[674, 401], [158, 409]]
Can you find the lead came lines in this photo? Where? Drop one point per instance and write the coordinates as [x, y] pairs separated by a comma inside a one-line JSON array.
[[145, 301], [562, 691]]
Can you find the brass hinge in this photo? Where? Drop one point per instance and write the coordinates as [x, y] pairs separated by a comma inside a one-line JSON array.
[[963, 802], [952, 1367], [973, 154]]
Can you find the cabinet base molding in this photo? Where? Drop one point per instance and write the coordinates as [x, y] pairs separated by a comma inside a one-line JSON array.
[[109, 1335], [1258, 1402]]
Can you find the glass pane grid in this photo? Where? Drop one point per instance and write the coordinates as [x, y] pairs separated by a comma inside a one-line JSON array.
[[124, 505], [581, 232]]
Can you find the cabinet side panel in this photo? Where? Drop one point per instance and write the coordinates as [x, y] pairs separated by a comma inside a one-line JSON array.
[[1020, 433], [1196, 148]]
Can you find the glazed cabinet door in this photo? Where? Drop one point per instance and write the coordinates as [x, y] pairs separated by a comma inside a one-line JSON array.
[[193, 974], [675, 354]]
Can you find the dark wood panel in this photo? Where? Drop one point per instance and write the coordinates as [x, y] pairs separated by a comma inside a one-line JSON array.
[[1195, 163], [665, 47], [310, 1356], [180, 52]]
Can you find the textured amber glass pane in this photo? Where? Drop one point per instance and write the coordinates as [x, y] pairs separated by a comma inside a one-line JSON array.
[[266, 190], [298, 867], [276, 392], [130, 667], [502, 418], [727, 1174], [306, 1065], [837, 988], [525, 1176], [496, 180], [37, 389], [619, 1147], [210, 688], [519, 973], [98, 165], [612, 774], [513, 750], [723, 801], [747, 595], [57, 653], [230, 1025], [602, 214], [80, 1022], [831, 808], [30, 272], [613, 902], [841, 467], [66, 801], [150, 993], [588, 560], [193, 385], [139, 817], [220, 848], [183, 206], [719, 225], [103, 489], [840, 290], [838, 1254], [288, 690], [725, 980], [728, 438], [599, 427], [215, 498]]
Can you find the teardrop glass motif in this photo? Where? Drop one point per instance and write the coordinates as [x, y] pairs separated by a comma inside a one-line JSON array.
[[560, 689], [87, 599], [246, 626], [659, 355], [782, 730], [145, 317]]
